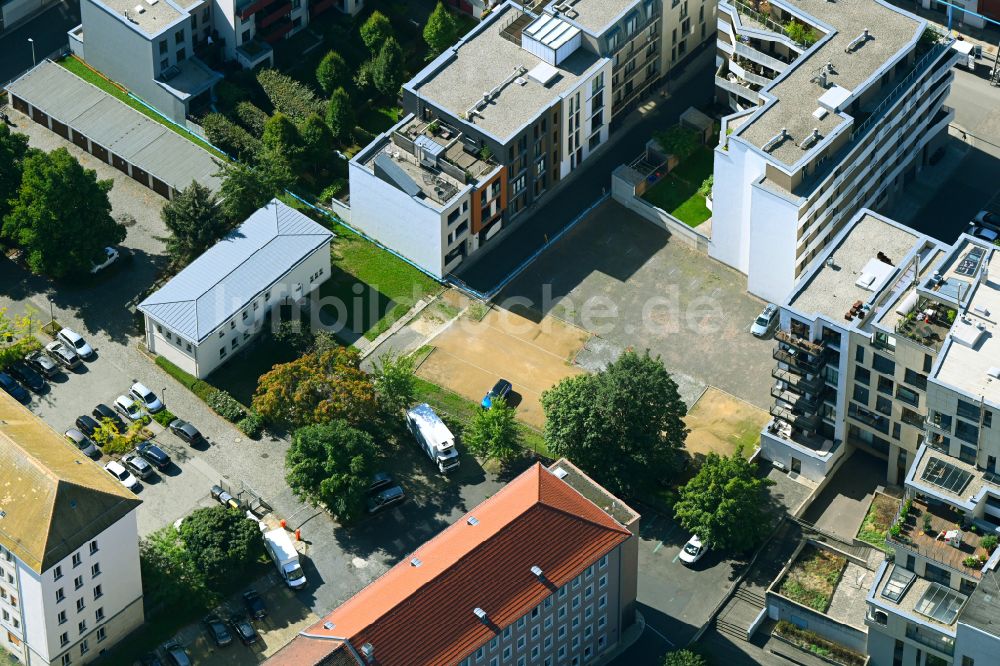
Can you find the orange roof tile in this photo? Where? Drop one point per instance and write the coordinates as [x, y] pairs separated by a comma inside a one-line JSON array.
[[424, 614]]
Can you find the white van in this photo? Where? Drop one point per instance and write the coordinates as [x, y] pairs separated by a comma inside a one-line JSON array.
[[433, 435]]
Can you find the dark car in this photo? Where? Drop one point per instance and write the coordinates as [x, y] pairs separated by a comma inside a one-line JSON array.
[[16, 391], [380, 480], [87, 425], [186, 431], [385, 499], [138, 465], [43, 363], [218, 631], [27, 375], [102, 412], [500, 390], [177, 655], [255, 604], [154, 454], [244, 629], [151, 659]]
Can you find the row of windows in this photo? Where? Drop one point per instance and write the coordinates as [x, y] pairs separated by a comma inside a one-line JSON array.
[[84, 645], [77, 560]]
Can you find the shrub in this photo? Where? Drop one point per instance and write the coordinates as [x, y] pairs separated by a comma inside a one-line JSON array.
[[227, 406], [800, 33], [679, 141], [971, 561], [252, 425], [228, 94], [895, 529], [333, 190], [229, 136], [201, 389], [251, 117], [296, 100], [705, 189], [989, 543], [928, 528], [164, 417]]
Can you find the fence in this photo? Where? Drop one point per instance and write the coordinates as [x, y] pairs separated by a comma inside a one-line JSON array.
[[623, 190]]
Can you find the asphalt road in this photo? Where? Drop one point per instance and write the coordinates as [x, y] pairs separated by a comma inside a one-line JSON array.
[[554, 213], [48, 29]]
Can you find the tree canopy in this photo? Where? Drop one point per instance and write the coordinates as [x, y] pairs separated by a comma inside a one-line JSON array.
[[293, 98], [623, 425], [332, 463], [324, 384], [387, 69], [679, 141], [725, 504], [195, 220], [441, 30], [684, 658], [316, 141], [220, 541], [494, 432], [13, 148], [375, 31], [340, 114], [170, 578], [61, 215], [247, 187], [332, 72], [394, 382]]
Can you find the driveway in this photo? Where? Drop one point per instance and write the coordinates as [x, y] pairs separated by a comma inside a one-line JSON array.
[[624, 280], [842, 505]]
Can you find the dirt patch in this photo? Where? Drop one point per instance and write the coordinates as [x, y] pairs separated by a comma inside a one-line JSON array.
[[877, 520], [470, 356], [720, 422], [813, 578]]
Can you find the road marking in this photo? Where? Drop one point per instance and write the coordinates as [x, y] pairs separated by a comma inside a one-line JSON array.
[[654, 630], [658, 546]]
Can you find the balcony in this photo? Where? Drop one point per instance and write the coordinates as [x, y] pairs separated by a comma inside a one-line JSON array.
[[931, 639], [276, 31], [814, 348], [248, 9], [252, 53], [796, 359], [284, 9], [799, 382], [930, 542], [868, 417], [795, 400], [807, 422], [317, 8]]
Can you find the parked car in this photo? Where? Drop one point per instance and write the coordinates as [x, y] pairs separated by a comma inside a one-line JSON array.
[[987, 219], [765, 321], [186, 432], [137, 465], [102, 412], [146, 398], [385, 499], [151, 659], [255, 604], [128, 408], [155, 455], [24, 373], [218, 631], [116, 470], [380, 480], [43, 363], [63, 354], [76, 342], [693, 550], [500, 390], [82, 442], [244, 629], [87, 424], [16, 391], [985, 233], [177, 655], [107, 257]]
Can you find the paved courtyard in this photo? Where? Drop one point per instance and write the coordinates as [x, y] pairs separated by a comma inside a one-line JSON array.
[[621, 278], [842, 505]]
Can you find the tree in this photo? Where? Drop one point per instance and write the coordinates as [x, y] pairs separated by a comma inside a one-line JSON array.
[[332, 463], [725, 504], [623, 425], [281, 137], [394, 382], [293, 98], [247, 187], [375, 31], [387, 69], [195, 220], [318, 386], [684, 658], [332, 72], [170, 577], [61, 216], [441, 30], [252, 118], [13, 148], [317, 143], [679, 141], [221, 542], [230, 137], [340, 115], [494, 432]]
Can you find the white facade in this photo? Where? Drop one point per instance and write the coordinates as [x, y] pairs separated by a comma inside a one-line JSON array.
[[585, 118], [72, 611]]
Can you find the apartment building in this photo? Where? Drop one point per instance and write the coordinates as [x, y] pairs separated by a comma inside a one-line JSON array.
[[204, 316], [69, 547], [542, 572], [820, 131], [496, 121]]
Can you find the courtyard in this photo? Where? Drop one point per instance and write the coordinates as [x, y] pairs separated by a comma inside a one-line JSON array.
[[722, 423]]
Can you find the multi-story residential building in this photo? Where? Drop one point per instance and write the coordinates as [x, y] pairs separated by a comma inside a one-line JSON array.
[[213, 308], [822, 131], [542, 572], [69, 547], [496, 121]]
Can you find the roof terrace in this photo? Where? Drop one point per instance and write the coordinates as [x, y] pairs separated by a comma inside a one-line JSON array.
[[938, 537], [593, 16], [937, 605]]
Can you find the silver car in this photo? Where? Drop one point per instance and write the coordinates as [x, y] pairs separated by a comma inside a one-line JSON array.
[[765, 321], [82, 442]]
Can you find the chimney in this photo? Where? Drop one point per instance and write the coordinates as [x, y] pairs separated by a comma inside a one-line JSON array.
[[368, 652], [480, 613]]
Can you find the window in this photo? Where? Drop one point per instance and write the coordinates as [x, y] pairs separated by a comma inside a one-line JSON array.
[[99, 614], [521, 642], [80, 605], [588, 652], [576, 602], [862, 375], [60, 595], [506, 653], [506, 633], [521, 661], [597, 84], [222, 334], [966, 432], [882, 364], [968, 411], [547, 643], [576, 621], [164, 64], [562, 611], [63, 639], [588, 631], [883, 405], [563, 591], [561, 634], [66, 659], [895, 434], [967, 454], [602, 582], [163, 46], [915, 379], [78, 582], [57, 573], [603, 562], [232, 325], [603, 601], [236, 343], [859, 354], [82, 626], [861, 395], [589, 592], [908, 396], [84, 648], [535, 632], [60, 618], [547, 623], [602, 621], [588, 612], [98, 592], [181, 55], [222, 353], [77, 559], [267, 296], [101, 634], [885, 385]]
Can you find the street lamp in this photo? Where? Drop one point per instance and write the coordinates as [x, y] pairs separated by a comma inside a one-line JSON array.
[[32, 42], [164, 394]]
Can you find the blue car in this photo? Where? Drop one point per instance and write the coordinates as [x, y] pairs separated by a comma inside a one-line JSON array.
[[17, 391], [500, 390]]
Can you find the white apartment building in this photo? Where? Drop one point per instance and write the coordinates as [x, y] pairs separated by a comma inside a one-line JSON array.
[[69, 547], [204, 315], [820, 131]]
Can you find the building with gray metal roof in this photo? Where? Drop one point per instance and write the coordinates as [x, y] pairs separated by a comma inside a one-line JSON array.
[[220, 300]]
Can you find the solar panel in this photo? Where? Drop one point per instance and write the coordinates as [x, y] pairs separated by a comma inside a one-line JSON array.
[[945, 475], [899, 582], [940, 603]]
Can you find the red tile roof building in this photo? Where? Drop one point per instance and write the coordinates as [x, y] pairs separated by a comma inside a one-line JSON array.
[[537, 571]]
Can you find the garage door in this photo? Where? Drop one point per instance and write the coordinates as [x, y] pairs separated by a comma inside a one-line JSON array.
[[20, 104], [119, 163], [160, 187], [40, 117], [80, 139], [60, 129], [140, 175], [99, 151]]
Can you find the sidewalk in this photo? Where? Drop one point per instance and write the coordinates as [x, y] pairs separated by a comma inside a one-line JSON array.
[[987, 37]]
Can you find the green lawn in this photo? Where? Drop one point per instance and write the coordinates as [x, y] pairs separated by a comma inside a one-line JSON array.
[[677, 193], [76, 66], [378, 119]]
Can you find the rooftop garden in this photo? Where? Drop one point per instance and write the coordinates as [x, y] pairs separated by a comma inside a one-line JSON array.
[[878, 520], [683, 191], [816, 644], [813, 578]]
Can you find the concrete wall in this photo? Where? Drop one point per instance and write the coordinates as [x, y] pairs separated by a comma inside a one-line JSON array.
[[773, 223], [815, 467], [734, 170], [975, 644], [623, 191]]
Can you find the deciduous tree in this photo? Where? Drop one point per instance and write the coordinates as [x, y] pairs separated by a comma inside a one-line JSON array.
[[293, 98], [375, 30], [340, 115], [387, 69], [221, 542], [13, 148], [679, 141], [684, 658], [317, 143], [230, 137], [281, 137], [195, 220], [332, 463], [494, 432], [725, 504], [394, 382], [61, 216], [332, 72], [247, 187], [170, 577], [441, 30], [624, 425]]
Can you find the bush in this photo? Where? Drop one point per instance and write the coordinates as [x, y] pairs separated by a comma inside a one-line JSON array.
[[989, 543], [229, 136], [971, 561], [679, 141], [251, 117], [201, 389], [252, 425], [164, 417], [229, 94], [706, 187], [801, 34], [332, 190], [684, 658], [296, 100], [927, 523], [227, 406]]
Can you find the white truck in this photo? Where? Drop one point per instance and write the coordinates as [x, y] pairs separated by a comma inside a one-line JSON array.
[[286, 558], [433, 435], [968, 54]]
